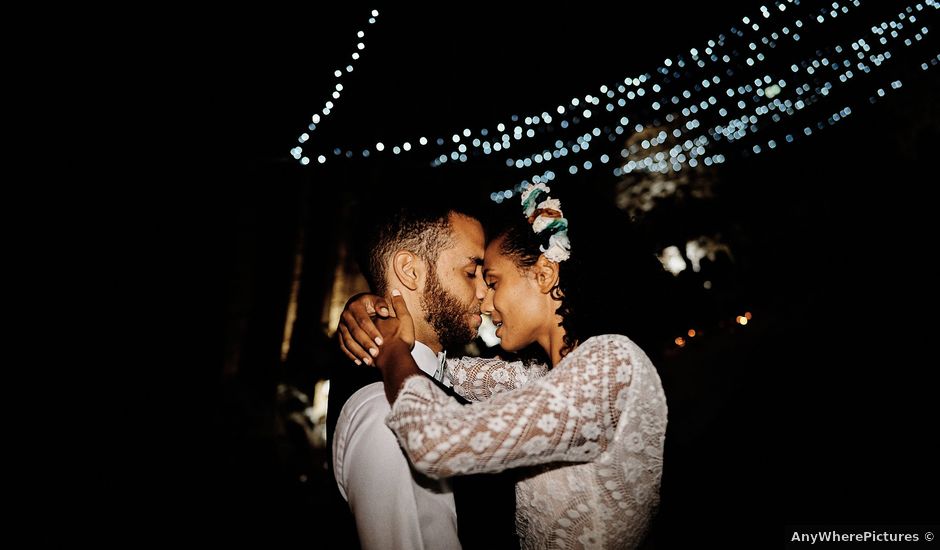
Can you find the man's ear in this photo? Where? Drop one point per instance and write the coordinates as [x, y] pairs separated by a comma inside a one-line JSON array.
[[546, 274], [407, 268]]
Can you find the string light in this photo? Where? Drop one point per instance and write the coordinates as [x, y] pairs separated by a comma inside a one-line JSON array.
[[297, 152], [718, 102]]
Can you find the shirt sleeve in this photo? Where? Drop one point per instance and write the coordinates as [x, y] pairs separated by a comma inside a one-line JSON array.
[[478, 379], [570, 415], [374, 477]]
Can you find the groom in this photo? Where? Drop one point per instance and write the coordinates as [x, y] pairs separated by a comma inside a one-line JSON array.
[[433, 253]]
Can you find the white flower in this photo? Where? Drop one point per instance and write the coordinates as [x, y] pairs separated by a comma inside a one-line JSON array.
[[634, 442], [624, 373], [632, 469], [433, 431], [541, 222], [621, 400], [588, 410], [645, 493], [522, 376], [531, 188], [535, 445], [460, 463], [500, 375], [497, 424], [559, 247], [588, 391], [547, 423], [550, 204], [590, 370], [556, 403], [590, 538], [590, 430], [415, 439], [481, 441]]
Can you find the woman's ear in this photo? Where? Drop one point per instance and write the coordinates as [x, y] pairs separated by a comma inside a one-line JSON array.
[[406, 267], [546, 274]]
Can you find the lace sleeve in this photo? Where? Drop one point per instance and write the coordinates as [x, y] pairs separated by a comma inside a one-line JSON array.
[[478, 379], [570, 414]]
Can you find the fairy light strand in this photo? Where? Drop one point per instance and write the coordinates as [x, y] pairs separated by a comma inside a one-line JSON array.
[[748, 125], [704, 115], [330, 104]]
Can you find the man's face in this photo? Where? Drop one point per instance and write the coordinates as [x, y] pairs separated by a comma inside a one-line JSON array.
[[454, 288]]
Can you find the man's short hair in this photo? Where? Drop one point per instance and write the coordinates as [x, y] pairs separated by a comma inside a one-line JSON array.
[[423, 231], [414, 218]]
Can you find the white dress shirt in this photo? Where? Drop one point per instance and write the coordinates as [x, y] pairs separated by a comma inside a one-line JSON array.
[[394, 506]]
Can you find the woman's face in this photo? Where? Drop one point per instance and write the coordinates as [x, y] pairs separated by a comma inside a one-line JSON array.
[[520, 311]]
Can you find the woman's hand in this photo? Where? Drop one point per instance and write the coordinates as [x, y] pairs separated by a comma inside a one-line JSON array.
[[394, 358], [359, 338], [397, 331]]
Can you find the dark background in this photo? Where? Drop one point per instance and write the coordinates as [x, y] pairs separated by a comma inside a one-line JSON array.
[[821, 411]]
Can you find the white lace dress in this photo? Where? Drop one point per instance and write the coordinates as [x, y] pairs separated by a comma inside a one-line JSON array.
[[590, 431]]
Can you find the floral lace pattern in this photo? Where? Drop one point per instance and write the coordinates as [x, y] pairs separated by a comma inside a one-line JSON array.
[[478, 379], [602, 408]]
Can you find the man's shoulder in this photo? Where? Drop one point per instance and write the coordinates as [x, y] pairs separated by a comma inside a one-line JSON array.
[[344, 382], [361, 422], [367, 402]]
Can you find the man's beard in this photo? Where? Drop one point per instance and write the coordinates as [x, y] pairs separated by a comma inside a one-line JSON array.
[[446, 315]]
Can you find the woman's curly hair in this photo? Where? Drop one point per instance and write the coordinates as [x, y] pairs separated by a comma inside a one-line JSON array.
[[522, 244], [610, 284]]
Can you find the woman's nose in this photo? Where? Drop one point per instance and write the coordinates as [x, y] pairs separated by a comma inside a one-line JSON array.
[[487, 305], [480, 288]]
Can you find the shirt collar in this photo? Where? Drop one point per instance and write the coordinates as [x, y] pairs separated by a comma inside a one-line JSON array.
[[432, 364]]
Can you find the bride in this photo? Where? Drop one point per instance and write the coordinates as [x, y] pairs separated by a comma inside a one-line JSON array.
[[585, 435]]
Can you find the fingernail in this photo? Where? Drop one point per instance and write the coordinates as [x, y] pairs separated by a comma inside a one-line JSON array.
[[384, 311], [378, 340], [367, 361], [396, 292], [358, 362], [373, 351]]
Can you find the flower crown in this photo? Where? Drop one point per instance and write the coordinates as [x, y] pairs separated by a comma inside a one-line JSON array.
[[544, 213]]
